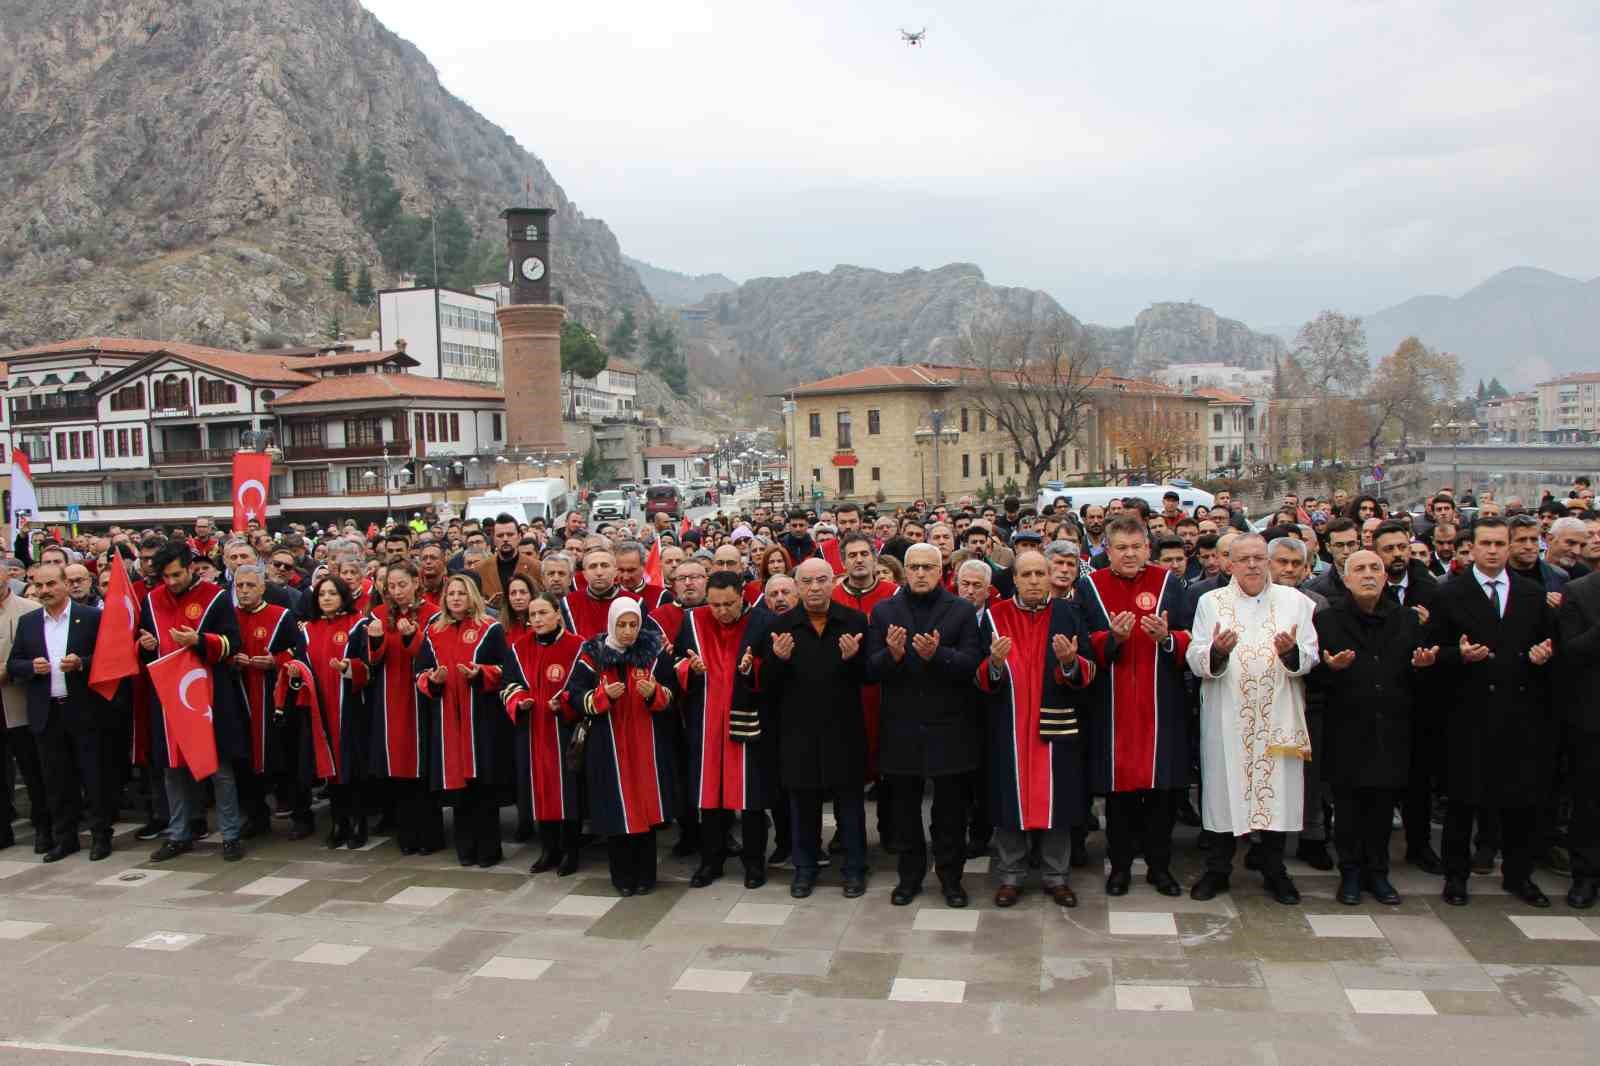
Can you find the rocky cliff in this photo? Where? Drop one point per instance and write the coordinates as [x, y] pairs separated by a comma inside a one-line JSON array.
[[172, 167], [672, 289], [1166, 333]]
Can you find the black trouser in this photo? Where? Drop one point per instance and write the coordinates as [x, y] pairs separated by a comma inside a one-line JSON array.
[[1220, 852], [633, 859], [559, 839], [1361, 831], [949, 828], [1583, 835], [252, 794], [1517, 827], [75, 769], [849, 814], [1141, 821], [477, 818], [1416, 804], [885, 805], [714, 827], [525, 822], [782, 823], [24, 748], [418, 820]]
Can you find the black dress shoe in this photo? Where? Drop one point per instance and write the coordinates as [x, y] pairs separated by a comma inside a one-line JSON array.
[[171, 849], [801, 887], [1164, 882], [1118, 882], [1281, 888], [704, 876], [545, 861], [1581, 895], [358, 836], [855, 887], [625, 892], [1483, 860], [754, 878], [1314, 853], [1349, 888], [1381, 890], [904, 894], [150, 831], [408, 849], [301, 830], [569, 864], [43, 842], [338, 834], [1209, 885], [99, 847], [954, 895], [1529, 893], [1426, 859], [645, 889], [487, 861], [232, 850], [1455, 891], [62, 850]]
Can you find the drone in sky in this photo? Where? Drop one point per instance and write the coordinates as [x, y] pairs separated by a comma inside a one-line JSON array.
[[914, 39]]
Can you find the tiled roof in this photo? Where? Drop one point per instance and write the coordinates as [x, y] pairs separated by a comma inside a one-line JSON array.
[[381, 387], [1222, 395], [270, 369], [1582, 378], [942, 376], [618, 363], [344, 359], [668, 451]]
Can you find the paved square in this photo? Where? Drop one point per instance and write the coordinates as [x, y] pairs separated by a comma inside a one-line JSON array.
[[712, 981], [166, 941], [1141, 923], [1154, 997], [927, 990], [270, 886], [759, 914], [576, 906], [1552, 927], [945, 921], [514, 969], [15, 930], [420, 896], [1346, 926], [332, 954], [1389, 1001]]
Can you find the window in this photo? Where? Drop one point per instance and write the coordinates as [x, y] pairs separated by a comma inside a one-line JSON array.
[[122, 443], [876, 476], [847, 481], [1000, 465], [419, 425], [305, 434], [874, 424], [217, 391], [363, 431], [433, 427], [310, 482], [1216, 423], [171, 393], [138, 441], [844, 429], [35, 446], [816, 474], [963, 420], [814, 428], [108, 443], [88, 444], [455, 427], [1250, 423], [983, 466], [1216, 454], [494, 427], [128, 398], [61, 445], [983, 421], [966, 462]]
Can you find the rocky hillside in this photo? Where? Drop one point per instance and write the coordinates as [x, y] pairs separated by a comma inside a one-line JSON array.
[[1185, 333], [173, 168], [672, 289]]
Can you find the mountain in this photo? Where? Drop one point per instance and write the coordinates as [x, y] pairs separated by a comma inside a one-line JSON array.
[[672, 289], [1522, 325], [172, 169], [1166, 333]]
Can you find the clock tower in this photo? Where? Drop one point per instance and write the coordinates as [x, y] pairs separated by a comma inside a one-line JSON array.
[[530, 335]]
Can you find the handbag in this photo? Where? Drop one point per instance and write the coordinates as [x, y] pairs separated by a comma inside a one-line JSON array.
[[573, 756]]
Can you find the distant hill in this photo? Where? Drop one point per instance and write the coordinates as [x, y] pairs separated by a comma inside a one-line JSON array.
[[1522, 325], [672, 289]]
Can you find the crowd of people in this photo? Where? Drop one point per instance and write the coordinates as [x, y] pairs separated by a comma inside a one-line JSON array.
[[1336, 675]]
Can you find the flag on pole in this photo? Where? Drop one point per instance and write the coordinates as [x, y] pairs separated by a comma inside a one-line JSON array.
[[182, 682], [22, 496], [116, 649], [252, 471], [652, 564]]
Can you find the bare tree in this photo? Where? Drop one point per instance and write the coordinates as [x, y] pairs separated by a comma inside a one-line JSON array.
[[1330, 361], [1034, 383]]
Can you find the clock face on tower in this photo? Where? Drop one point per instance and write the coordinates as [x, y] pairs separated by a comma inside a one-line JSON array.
[[533, 268]]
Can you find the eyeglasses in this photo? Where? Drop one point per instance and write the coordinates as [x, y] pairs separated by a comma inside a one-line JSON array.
[[278, 564], [921, 566]]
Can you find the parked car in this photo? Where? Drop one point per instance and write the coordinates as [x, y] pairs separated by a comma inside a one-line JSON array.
[[663, 499], [611, 504]]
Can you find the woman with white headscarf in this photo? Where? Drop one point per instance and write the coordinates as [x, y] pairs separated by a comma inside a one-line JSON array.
[[621, 683]]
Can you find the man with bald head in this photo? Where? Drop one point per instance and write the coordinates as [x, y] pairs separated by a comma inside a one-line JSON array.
[[1371, 649]]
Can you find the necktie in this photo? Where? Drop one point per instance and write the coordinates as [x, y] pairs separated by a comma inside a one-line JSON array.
[[1393, 592], [1494, 596]]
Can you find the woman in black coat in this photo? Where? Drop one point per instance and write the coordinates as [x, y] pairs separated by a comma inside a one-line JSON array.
[[923, 649]]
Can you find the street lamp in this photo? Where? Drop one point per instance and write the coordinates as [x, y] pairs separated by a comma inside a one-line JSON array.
[[936, 435], [1454, 429]]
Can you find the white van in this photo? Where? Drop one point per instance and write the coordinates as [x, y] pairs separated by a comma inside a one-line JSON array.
[[1077, 496], [540, 497]]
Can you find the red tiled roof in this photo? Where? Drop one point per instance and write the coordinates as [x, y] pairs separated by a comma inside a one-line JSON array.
[[942, 376], [618, 363], [380, 387], [344, 359], [1222, 395], [275, 369]]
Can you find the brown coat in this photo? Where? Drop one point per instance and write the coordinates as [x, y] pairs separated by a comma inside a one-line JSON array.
[[488, 573]]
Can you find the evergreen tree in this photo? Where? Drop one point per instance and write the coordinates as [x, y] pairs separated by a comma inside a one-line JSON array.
[[594, 468], [664, 356], [1497, 391], [581, 353], [455, 246], [1482, 392], [364, 294], [350, 178], [624, 338], [380, 200], [333, 329], [339, 277]]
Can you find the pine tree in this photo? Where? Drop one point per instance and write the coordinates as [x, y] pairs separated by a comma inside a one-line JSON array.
[[380, 203], [364, 294], [333, 329], [339, 277], [350, 176], [624, 338], [1482, 392]]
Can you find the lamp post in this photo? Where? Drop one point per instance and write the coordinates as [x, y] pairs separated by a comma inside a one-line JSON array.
[[1454, 429], [936, 435]]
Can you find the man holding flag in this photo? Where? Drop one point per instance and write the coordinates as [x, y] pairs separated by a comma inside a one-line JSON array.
[[24, 504], [197, 728]]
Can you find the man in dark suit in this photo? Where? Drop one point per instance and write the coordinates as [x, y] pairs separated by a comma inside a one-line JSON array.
[[53, 649], [1580, 658], [1494, 633]]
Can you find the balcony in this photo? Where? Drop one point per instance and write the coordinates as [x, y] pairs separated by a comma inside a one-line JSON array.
[[181, 457], [71, 413], [374, 449]]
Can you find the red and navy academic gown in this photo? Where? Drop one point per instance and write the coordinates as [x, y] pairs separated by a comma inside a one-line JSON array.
[[139, 741], [342, 699], [398, 725], [865, 602], [724, 774], [205, 607], [269, 629], [585, 613], [1139, 729], [469, 735], [1035, 782], [628, 759], [669, 618], [537, 670], [363, 597], [649, 596]]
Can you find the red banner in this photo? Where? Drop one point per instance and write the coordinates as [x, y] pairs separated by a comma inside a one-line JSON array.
[[652, 564], [116, 649], [182, 682], [252, 472]]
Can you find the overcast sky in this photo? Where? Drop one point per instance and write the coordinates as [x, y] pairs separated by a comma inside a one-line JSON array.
[[1268, 159]]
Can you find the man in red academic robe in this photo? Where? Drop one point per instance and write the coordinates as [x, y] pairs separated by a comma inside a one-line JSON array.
[[631, 580], [269, 636], [586, 607], [1138, 620]]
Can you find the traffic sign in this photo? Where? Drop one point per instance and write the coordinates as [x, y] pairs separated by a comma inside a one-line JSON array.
[[72, 513], [1377, 473]]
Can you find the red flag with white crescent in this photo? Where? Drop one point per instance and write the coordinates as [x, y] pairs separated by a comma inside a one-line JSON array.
[[116, 649], [182, 681], [652, 564], [252, 473]]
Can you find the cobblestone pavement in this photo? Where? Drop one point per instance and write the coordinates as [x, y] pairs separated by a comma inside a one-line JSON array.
[[299, 955]]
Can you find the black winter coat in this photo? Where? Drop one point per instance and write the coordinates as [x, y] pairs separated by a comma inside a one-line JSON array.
[[813, 700], [928, 721], [1579, 655], [1367, 706]]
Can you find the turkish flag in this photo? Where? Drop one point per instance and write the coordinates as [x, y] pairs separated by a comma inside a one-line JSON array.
[[652, 564], [252, 472], [116, 651], [182, 681]]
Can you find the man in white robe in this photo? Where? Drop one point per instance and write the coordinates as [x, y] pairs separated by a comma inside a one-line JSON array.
[[1252, 644]]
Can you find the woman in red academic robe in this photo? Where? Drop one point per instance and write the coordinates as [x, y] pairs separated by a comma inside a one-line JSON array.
[[623, 682], [540, 657], [469, 736], [336, 651], [770, 562], [395, 632]]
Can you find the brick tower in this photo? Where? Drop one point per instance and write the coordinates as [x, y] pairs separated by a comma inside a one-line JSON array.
[[530, 334]]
